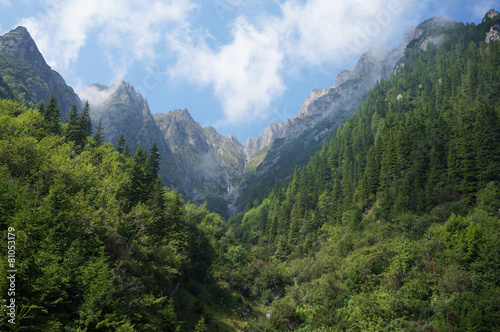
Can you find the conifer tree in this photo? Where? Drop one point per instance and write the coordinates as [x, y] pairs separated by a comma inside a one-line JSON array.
[[126, 150], [153, 163], [99, 137], [52, 115], [139, 178], [120, 147], [73, 126], [85, 124]]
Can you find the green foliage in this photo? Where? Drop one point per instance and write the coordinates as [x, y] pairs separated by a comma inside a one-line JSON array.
[[399, 210], [102, 245], [392, 226], [19, 81], [5, 90], [200, 327]]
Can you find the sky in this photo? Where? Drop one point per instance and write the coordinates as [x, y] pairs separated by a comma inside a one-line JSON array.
[[236, 65]]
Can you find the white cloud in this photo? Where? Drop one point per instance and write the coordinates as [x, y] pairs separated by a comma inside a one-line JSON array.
[[5, 3], [244, 74], [130, 27], [247, 73], [96, 94]]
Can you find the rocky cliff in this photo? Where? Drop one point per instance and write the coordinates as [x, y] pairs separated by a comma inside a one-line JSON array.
[[125, 112], [23, 67], [287, 144], [204, 165], [210, 161]]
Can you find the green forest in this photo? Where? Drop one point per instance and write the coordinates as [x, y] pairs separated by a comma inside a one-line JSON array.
[[392, 226]]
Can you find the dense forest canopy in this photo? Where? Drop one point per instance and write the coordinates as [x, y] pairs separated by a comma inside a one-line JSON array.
[[392, 226]]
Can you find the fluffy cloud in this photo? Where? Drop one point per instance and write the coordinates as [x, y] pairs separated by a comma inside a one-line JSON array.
[[247, 73], [96, 95], [131, 27]]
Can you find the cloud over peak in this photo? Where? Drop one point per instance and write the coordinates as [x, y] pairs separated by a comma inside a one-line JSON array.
[[247, 73]]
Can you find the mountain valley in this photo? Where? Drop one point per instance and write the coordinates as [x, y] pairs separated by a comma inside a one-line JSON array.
[[376, 208]]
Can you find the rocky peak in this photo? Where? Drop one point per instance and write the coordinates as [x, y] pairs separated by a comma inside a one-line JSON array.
[[490, 14], [182, 115], [208, 160], [493, 34], [181, 132], [233, 139], [340, 79], [125, 112], [18, 43]]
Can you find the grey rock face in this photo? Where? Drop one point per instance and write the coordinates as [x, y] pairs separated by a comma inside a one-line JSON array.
[[490, 14], [326, 109], [19, 43], [348, 92], [125, 112], [210, 161], [494, 34]]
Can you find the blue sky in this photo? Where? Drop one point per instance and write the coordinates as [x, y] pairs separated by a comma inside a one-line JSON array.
[[236, 65]]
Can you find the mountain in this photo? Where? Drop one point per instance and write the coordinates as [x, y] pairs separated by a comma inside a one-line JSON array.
[[210, 161], [123, 111], [198, 161], [394, 224], [286, 145], [204, 165], [31, 79]]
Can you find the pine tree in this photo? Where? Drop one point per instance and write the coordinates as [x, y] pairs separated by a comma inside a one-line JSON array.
[[153, 163], [52, 115], [120, 147], [99, 137], [73, 126], [85, 124]]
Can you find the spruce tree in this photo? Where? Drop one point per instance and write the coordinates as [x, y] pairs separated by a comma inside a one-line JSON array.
[[52, 116], [73, 126], [153, 163], [85, 124], [99, 137], [120, 147], [138, 183]]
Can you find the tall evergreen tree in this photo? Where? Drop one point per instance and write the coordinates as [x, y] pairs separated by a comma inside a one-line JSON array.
[[85, 124], [99, 136], [153, 163], [52, 115], [120, 147], [73, 126]]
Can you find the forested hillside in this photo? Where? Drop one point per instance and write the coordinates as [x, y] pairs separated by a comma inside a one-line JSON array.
[[392, 226], [100, 245]]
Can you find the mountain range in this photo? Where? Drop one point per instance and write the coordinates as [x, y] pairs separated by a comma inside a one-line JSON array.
[[202, 164], [392, 225]]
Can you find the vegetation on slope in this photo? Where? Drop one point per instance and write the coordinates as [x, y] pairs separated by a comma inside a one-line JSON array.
[[100, 245], [394, 225]]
